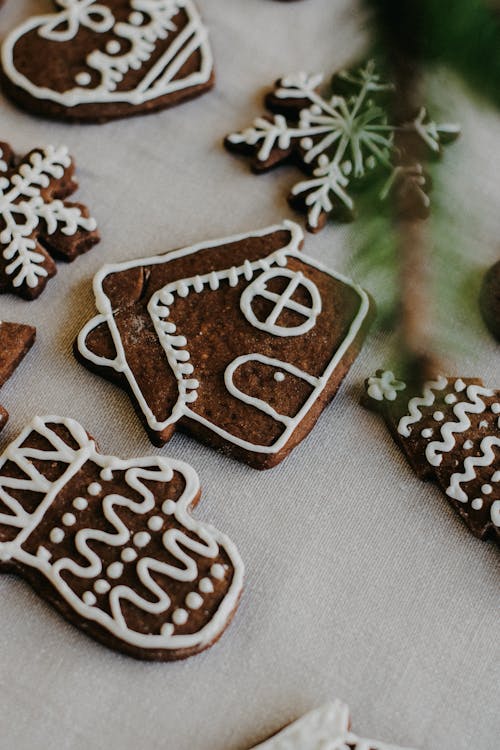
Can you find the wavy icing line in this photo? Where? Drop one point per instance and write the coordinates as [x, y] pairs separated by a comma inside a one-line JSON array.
[[176, 542], [427, 399], [470, 464], [449, 429]]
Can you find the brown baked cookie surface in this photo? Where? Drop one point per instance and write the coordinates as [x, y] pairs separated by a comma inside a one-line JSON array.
[[490, 300], [242, 342], [16, 340], [37, 224], [449, 430], [112, 545], [96, 61]]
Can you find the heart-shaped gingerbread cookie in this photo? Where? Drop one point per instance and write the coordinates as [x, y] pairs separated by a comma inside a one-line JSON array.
[[95, 61]]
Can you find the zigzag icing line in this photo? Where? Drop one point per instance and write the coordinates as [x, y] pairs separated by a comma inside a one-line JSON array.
[[470, 464], [448, 430], [427, 399]]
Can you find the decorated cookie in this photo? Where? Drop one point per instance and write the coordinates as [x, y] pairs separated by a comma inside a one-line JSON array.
[[341, 141], [490, 300], [96, 61], [15, 342], [325, 728], [112, 544], [36, 223], [449, 430], [241, 342]]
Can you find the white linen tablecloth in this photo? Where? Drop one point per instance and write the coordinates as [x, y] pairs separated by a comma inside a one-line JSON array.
[[362, 583]]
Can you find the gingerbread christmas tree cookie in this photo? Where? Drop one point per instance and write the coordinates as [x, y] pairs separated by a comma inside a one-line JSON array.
[[37, 224], [325, 728], [15, 342], [449, 430], [112, 544], [342, 140], [242, 342], [95, 61]]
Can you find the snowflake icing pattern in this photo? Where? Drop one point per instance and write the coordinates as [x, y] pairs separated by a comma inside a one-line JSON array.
[[25, 212], [338, 141]]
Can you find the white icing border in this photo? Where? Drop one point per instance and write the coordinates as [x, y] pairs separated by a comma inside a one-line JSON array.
[[119, 364], [212, 539], [157, 81], [324, 728]]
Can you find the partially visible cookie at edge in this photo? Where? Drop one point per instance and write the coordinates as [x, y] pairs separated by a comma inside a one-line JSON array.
[[112, 544], [490, 300], [16, 340], [99, 61]]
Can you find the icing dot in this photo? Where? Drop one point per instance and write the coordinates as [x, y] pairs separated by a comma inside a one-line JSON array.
[[155, 523], [217, 571], [450, 398], [193, 600], [69, 519], [83, 78], [459, 385], [438, 416], [115, 570], [167, 629], [94, 488], [306, 143], [56, 535], [113, 47], [371, 162], [101, 586], [106, 474], [486, 489], [495, 408], [141, 538], [427, 433], [128, 555], [136, 18], [495, 512], [43, 553], [477, 503], [496, 477], [468, 445], [180, 617], [89, 598], [483, 423], [80, 503], [279, 377], [206, 586], [168, 507]]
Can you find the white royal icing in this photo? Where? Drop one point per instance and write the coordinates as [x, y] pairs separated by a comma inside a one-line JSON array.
[[22, 208], [174, 345], [384, 387], [471, 463], [427, 399], [201, 539], [150, 23], [325, 728]]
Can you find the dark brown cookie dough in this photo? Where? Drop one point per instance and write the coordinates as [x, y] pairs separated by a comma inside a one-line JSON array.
[[112, 545], [15, 342], [449, 430], [490, 300], [241, 342], [37, 224], [106, 60]]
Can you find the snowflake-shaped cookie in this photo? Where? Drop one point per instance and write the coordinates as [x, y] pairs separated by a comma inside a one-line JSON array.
[[36, 222], [341, 141]]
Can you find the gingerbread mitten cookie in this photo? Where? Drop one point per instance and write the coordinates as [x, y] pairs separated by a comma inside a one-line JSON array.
[[242, 341], [96, 61], [341, 140], [326, 727], [16, 340], [112, 544], [36, 223], [449, 430]]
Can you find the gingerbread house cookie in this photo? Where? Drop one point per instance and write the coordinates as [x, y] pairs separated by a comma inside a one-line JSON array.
[[242, 342], [95, 61], [111, 544]]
